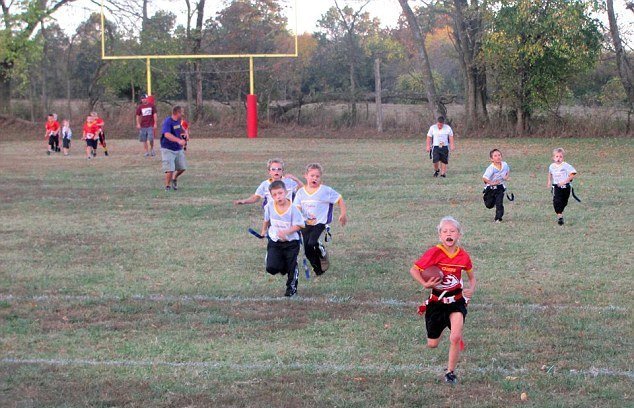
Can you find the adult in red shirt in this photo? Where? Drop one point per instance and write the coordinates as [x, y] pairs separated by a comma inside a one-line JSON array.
[[146, 120], [52, 134], [101, 135]]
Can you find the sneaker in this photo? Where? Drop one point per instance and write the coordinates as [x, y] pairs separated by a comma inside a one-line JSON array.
[[450, 378], [146, 154], [105, 152], [152, 153], [168, 188], [560, 221], [443, 175], [174, 185], [290, 292], [497, 221], [48, 152], [89, 157], [436, 173], [324, 260]]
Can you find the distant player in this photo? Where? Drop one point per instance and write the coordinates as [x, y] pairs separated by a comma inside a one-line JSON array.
[[560, 176], [439, 142], [185, 135], [174, 163], [91, 135], [146, 120], [52, 133], [494, 177], [276, 171], [67, 135], [447, 304], [316, 201], [282, 222], [101, 134]]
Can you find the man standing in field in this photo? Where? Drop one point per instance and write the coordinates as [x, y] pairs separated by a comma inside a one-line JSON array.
[[439, 142], [146, 118], [172, 143]]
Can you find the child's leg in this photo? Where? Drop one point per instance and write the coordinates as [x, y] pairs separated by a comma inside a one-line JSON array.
[[489, 198], [499, 203], [560, 200], [51, 143], [290, 265], [457, 322], [274, 258], [311, 236]]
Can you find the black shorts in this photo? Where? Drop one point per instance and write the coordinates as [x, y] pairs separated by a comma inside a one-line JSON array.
[[53, 140], [437, 316], [66, 143], [440, 154], [91, 143]]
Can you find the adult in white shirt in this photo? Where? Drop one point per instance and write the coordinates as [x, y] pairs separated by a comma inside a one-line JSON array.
[[439, 143]]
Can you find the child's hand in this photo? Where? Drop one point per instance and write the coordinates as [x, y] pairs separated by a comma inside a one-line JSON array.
[[468, 292], [343, 220], [431, 283], [428, 149], [282, 235], [238, 202], [507, 177]]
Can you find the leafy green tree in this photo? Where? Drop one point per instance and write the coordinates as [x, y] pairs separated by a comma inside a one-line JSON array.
[[535, 47]]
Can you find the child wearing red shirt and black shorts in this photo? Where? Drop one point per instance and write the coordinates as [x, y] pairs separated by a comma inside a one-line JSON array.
[[52, 134], [447, 304]]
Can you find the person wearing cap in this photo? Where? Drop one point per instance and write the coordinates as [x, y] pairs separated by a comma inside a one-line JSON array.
[[439, 142], [146, 119]]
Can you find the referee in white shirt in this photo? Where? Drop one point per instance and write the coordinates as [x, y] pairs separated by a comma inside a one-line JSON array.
[[439, 143]]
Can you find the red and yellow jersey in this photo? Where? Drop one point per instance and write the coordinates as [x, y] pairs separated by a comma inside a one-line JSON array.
[[91, 129], [451, 266], [52, 127], [99, 123]]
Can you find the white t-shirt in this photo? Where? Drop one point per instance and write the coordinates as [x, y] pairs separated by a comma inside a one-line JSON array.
[[263, 189], [440, 137], [67, 133], [283, 220], [495, 174], [317, 207], [561, 172]]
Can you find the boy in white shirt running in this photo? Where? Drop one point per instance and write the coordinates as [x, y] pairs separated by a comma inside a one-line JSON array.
[[316, 202], [276, 172], [560, 175], [439, 142], [282, 221], [494, 177]]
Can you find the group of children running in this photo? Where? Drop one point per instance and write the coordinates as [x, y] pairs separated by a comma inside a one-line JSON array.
[[93, 133], [295, 212]]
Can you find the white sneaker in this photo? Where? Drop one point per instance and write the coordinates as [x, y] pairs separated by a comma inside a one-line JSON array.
[[152, 153]]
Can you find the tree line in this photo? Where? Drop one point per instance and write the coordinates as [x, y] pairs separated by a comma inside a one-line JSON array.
[[508, 60]]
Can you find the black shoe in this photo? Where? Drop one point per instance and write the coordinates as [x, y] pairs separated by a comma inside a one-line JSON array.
[[168, 188], [450, 378], [443, 175], [436, 173], [324, 260], [290, 292], [48, 152], [560, 221], [174, 185], [106, 152]]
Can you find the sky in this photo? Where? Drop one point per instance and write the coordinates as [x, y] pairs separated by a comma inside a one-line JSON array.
[[309, 12]]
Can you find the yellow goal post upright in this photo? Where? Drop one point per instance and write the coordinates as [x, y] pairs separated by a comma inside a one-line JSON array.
[[252, 108]]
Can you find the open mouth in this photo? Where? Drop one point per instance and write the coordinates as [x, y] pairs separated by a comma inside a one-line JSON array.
[[449, 240]]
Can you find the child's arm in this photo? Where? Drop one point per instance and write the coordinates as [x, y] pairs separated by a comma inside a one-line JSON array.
[[265, 228], [284, 233], [571, 176], [343, 217], [415, 272], [295, 179], [468, 292], [550, 181], [253, 199], [451, 144], [507, 176]]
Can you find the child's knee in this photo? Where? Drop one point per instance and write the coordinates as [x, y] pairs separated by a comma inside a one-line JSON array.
[[455, 338], [432, 343]]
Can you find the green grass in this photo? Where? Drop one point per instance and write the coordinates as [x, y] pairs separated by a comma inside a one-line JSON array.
[[105, 230]]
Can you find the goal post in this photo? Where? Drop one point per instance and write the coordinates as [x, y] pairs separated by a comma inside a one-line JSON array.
[[251, 101]]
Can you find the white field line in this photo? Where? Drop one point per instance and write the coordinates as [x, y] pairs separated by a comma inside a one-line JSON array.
[[311, 367], [313, 300]]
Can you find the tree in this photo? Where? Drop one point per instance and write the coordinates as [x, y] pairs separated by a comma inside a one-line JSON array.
[[535, 47], [434, 101], [622, 62], [20, 20]]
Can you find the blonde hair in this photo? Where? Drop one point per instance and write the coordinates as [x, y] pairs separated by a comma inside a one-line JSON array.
[[315, 166], [271, 161], [451, 220], [559, 150]]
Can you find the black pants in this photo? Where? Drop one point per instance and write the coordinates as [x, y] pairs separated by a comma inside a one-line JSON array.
[[311, 235], [560, 197], [53, 141], [494, 196], [281, 257]]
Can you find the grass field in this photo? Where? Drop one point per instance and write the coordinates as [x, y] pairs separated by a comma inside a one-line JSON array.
[[116, 293]]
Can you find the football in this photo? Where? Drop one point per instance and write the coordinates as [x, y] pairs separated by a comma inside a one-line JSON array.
[[431, 272]]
